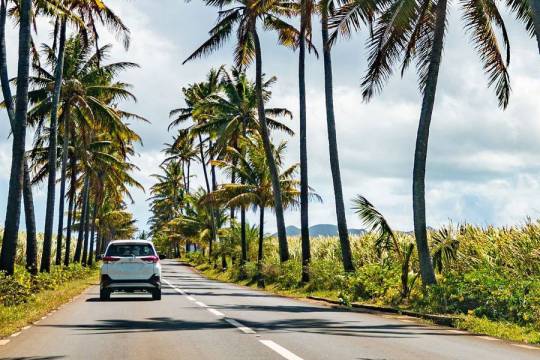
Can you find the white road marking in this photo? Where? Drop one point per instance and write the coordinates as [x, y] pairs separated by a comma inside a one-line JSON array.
[[241, 327], [280, 350], [16, 334], [178, 290], [215, 312], [456, 331], [201, 304], [27, 327], [3, 342], [233, 322], [530, 347]]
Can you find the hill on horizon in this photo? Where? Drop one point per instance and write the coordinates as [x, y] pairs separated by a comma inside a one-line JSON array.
[[320, 230]]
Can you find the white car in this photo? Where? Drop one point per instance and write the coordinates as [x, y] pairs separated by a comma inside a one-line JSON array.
[[130, 265]]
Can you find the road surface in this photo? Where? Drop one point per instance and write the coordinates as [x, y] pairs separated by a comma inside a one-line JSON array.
[[203, 319]]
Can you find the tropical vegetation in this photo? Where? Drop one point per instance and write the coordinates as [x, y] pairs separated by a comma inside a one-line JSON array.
[[68, 94]]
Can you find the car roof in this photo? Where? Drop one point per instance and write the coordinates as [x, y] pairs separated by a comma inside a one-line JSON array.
[[130, 242]]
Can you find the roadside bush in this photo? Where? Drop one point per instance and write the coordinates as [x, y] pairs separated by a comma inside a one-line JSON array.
[[21, 286], [484, 292]]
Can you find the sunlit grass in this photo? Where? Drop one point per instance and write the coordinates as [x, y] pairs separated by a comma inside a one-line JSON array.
[[13, 318]]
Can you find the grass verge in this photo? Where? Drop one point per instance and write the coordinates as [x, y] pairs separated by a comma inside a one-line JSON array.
[[471, 323], [13, 318]]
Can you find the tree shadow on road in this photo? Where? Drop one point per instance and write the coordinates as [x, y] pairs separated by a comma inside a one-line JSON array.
[[156, 324]]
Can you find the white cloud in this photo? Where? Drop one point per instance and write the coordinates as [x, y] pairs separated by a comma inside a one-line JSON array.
[[483, 162]]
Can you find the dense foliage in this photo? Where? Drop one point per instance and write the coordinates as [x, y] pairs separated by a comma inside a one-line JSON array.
[[22, 287], [487, 272]]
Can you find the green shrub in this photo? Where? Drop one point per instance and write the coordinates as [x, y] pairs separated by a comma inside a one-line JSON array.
[[21, 286]]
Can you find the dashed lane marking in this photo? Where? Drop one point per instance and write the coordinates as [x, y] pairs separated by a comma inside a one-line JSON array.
[[27, 327], [201, 304], [280, 350], [215, 312], [4, 342], [16, 334], [240, 326], [268, 343]]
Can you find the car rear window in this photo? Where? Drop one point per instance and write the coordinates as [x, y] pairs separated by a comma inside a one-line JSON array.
[[128, 250]]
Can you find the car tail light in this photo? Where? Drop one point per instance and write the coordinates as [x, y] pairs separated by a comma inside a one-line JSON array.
[[110, 259], [150, 259]]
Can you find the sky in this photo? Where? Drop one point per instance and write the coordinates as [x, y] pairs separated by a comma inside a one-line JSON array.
[[483, 162]]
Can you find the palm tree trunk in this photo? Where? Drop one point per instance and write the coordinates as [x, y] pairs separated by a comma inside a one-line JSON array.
[[188, 175], [29, 214], [99, 245], [260, 279], [86, 231], [346, 253], [92, 236], [51, 186], [203, 162], [535, 6], [84, 209], [261, 236], [61, 200], [207, 181], [420, 153], [243, 239], [72, 207], [274, 176], [13, 210], [304, 214]]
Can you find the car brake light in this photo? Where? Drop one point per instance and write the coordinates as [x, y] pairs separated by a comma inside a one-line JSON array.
[[151, 259], [109, 259]]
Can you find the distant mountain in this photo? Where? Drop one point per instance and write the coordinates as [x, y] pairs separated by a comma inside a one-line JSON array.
[[320, 230]]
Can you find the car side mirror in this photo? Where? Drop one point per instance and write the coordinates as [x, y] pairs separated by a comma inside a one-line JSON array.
[[99, 257], [162, 256]]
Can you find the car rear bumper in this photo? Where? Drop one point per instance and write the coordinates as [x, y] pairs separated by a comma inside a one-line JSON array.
[[154, 282]]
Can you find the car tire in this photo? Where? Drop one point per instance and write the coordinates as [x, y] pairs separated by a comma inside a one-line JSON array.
[[156, 294], [104, 295]]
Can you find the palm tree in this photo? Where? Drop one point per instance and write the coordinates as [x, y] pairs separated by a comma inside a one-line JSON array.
[[13, 211], [31, 241], [416, 32], [231, 113], [256, 188], [244, 14], [200, 220], [89, 11], [87, 90], [325, 8], [306, 11], [167, 194]]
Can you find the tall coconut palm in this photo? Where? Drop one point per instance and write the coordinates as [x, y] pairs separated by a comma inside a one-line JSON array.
[[31, 240], [231, 113], [87, 88], [326, 8], [256, 189], [307, 8], [245, 15], [90, 11], [409, 31], [13, 211]]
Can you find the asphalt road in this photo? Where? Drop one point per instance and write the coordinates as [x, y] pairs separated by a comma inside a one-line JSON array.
[[202, 319]]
